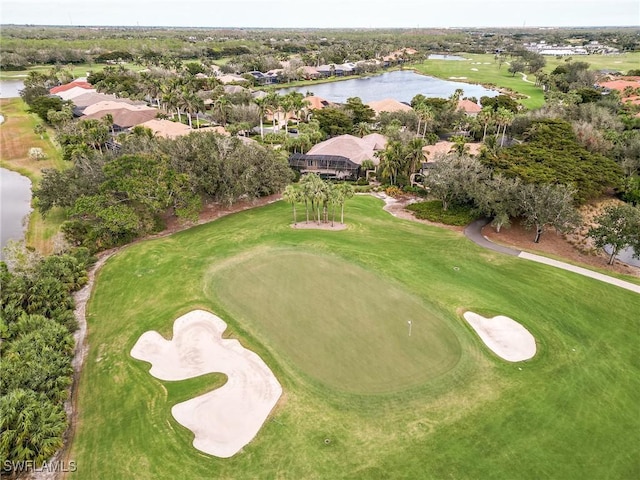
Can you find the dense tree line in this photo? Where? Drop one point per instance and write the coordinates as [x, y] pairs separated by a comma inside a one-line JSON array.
[[36, 325], [113, 198], [22, 46], [462, 180], [551, 154]]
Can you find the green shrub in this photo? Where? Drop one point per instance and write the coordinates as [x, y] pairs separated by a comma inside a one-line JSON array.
[[459, 215]]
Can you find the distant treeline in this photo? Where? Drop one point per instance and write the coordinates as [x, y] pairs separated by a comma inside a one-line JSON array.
[[24, 46]]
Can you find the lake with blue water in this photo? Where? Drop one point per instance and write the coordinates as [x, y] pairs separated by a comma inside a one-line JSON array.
[[15, 206], [10, 88], [401, 85], [15, 189]]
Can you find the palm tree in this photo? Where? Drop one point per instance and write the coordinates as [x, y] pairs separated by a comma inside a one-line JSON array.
[[344, 192], [222, 106], [485, 117], [286, 105], [272, 105], [504, 117], [151, 88], [415, 154], [108, 121], [262, 106], [31, 428], [459, 145], [361, 129], [305, 192], [319, 193], [297, 104], [391, 159], [291, 195], [191, 103], [170, 100]]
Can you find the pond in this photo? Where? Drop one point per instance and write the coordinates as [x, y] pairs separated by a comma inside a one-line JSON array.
[[400, 85], [10, 88], [15, 206]]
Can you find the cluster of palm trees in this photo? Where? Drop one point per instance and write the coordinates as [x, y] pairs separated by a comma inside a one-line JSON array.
[[175, 94], [178, 95], [279, 107], [318, 197], [501, 117], [401, 159]]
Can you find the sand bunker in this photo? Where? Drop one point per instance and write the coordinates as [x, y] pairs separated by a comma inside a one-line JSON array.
[[504, 336], [226, 419]]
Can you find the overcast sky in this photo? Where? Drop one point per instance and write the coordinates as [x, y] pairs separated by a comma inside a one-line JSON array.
[[324, 13]]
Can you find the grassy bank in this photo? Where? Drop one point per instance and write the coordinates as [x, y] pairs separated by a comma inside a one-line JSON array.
[[16, 138], [569, 413]]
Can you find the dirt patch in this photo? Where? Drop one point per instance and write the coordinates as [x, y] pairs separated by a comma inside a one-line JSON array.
[[319, 226], [555, 244]]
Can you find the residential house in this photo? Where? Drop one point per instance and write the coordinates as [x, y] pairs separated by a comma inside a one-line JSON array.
[[124, 115], [469, 107], [339, 157], [389, 105]]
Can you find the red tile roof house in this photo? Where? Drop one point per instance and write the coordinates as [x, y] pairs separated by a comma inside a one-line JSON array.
[[339, 157], [431, 152], [624, 83], [315, 103], [389, 105], [469, 108], [124, 115], [70, 85]]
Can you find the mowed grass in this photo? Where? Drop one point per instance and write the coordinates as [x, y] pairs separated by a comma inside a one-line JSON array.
[[16, 138], [307, 307], [570, 412], [485, 70]]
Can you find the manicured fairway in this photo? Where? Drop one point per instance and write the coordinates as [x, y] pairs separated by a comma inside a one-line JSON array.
[[571, 412], [337, 322]]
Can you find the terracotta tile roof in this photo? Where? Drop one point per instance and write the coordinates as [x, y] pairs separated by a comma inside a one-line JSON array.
[[90, 98], [123, 117], [232, 78], [444, 147], [166, 128], [74, 92], [116, 105], [468, 106], [67, 86], [389, 105], [354, 148], [622, 83], [315, 102]]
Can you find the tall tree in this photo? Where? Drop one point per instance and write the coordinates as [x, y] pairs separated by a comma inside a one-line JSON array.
[[545, 205], [618, 227], [291, 195], [344, 191]]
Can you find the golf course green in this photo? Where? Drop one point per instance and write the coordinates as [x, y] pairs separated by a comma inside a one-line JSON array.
[[328, 312]]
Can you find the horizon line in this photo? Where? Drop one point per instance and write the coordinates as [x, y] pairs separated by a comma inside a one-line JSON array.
[[512, 27]]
